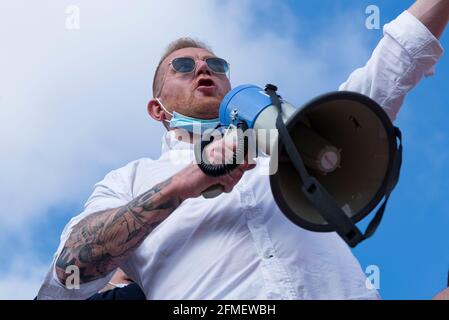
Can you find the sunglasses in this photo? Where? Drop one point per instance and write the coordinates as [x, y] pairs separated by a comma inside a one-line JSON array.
[[188, 64]]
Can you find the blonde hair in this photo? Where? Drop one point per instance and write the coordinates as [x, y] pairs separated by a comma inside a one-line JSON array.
[[178, 44]]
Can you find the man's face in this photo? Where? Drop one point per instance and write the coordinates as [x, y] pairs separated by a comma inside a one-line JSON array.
[[197, 94]]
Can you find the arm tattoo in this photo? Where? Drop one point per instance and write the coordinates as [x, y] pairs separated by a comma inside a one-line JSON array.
[[103, 240]]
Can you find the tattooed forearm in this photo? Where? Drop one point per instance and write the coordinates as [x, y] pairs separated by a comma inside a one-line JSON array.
[[103, 240]]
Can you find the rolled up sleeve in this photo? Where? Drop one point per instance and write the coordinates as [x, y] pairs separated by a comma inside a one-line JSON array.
[[108, 193], [407, 53]]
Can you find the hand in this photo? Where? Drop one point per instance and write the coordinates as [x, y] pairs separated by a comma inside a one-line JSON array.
[[443, 295], [191, 181], [434, 14], [119, 277]]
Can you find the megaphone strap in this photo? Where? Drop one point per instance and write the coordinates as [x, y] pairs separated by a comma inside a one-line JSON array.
[[374, 223]]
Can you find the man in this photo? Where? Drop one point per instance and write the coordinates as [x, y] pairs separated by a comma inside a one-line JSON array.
[[148, 217], [443, 295], [120, 288]]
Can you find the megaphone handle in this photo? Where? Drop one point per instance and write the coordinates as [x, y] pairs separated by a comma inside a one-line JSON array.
[[220, 169], [213, 191]]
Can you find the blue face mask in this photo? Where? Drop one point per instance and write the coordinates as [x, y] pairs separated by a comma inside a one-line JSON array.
[[190, 124]]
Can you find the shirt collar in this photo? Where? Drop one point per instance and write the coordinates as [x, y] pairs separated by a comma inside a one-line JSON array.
[[170, 142]]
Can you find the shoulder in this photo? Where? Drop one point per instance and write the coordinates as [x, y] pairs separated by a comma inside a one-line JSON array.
[[116, 186], [128, 171]]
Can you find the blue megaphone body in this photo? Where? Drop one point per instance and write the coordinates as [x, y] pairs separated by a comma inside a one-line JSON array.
[[244, 103]]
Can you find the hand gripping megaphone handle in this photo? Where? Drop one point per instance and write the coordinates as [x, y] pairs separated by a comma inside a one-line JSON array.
[[216, 170]]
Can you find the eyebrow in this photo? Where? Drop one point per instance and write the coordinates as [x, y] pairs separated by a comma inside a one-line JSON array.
[[200, 58], [209, 56]]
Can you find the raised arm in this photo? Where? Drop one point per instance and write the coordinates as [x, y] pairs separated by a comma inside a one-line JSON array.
[[434, 14], [408, 52]]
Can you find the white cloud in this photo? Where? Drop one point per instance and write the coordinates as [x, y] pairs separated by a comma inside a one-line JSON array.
[[73, 103], [22, 279]]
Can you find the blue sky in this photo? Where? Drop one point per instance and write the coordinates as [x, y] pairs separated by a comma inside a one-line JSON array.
[[72, 105], [410, 246]]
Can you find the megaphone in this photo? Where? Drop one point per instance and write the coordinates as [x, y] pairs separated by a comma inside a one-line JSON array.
[[337, 157]]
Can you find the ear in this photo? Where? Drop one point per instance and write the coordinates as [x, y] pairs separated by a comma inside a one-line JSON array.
[[155, 110]]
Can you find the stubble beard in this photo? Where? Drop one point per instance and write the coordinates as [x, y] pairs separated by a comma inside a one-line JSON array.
[[204, 107]]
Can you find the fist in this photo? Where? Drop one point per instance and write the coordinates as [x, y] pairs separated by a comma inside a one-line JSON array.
[[191, 181]]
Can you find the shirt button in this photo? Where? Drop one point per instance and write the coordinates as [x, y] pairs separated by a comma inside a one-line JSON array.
[[268, 255]]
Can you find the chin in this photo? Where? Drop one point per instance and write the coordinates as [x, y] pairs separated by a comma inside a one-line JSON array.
[[209, 106]]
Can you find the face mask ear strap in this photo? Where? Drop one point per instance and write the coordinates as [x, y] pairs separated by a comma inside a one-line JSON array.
[[162, 106]]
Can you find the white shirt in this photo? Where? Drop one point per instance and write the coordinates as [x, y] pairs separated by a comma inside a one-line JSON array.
[[240, 245]]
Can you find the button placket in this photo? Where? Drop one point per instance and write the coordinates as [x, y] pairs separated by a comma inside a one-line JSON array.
[[276, 280]]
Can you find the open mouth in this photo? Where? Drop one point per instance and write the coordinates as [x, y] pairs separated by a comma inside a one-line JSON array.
[[205, 83]]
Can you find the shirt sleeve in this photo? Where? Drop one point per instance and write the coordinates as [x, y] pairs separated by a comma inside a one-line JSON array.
[[109, 193], [407, 52]]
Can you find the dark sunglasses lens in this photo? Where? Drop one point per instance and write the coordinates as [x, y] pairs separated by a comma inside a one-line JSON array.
[[217, 65], [183, 65]]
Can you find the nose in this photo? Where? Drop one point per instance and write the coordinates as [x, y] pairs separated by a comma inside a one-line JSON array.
[[202, 68]]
